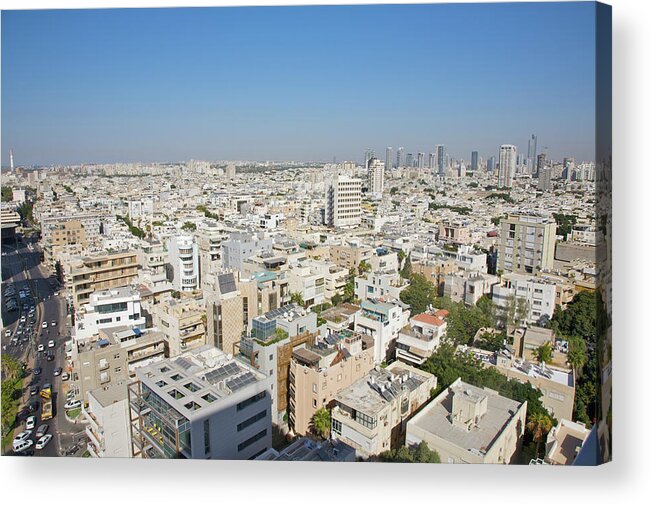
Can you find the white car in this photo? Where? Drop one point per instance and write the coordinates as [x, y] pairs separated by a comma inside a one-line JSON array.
[[23, 445], [72, 404], [44, 325], [51, 343], [40, 347], [43, 441], [30, 423], [8, 333], [53, 323], [22, 436], [65, 376]]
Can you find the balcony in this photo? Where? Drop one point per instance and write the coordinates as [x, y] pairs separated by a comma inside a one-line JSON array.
[[92, 450], [93, 437]]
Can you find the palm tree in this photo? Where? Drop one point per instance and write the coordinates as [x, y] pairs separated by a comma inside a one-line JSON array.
[[539, 425], [321, 421]]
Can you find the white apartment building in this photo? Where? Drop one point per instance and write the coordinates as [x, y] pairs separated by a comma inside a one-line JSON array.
[[108, 309], [382, 321], [508, 154], [271, 221], [107, 418], [421, 338], [309, 282], [379, 285], [201, 405], [343, 207], [241, 246], [468, 286], [184, 263], [539, 295], [376, 176]]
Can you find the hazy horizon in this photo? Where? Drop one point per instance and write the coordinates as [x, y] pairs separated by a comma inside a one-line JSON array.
[[296, 83]]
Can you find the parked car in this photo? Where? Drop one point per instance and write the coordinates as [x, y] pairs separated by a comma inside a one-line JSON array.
[[51, 343], [50, 357], [22, 446], [33, 391], [43, 441], [22, 436], [7, 333], [44, 325], [53, 323], [65, 376], [42, 430], [58, 371], [40, 347], [33, 406], [38, 370], [72, 404], [30, 423]]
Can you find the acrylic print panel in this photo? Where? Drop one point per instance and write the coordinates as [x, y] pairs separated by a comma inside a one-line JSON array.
[[319, 233]]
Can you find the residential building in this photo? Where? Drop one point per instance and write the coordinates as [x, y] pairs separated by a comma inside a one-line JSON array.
[[318, 372], [103, 271], [467, 424], [308, 281], [383, 322], [339, 318], [418, 341], [545, 179], [376, 176], [468, 286], [371, 414], [526, 243], [107, 422], [202, 404], [107, 309], [343, 202], [387, 285], [350, 255], [535, 296], [507, 166], [182, 322], [183, 254], [241, 246], [565, 441]]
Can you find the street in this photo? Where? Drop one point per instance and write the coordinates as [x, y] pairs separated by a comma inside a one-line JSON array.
[[23, 268]]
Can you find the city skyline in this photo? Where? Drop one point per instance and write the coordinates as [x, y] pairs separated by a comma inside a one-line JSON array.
[[294, 83]]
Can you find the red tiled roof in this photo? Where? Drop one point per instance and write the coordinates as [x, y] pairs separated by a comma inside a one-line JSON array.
[[442, 313], [429, 319]]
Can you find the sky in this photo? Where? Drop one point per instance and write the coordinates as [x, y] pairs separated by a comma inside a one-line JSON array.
[[296, 83]]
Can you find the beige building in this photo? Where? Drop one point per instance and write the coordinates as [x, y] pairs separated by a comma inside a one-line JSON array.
[[225, 314], [370, 415], [527, 244], [100, 272], [350, 255], [318, 372], [454, 232], [467, 424], [435, 271], [564, 442], [107, 418], [182, 322]]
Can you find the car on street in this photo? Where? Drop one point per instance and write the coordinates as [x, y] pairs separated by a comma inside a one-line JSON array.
[[33, 391], [42, 430], [40, 347], [50, 356], [44, 325], [38, 370], [58, 371], [53, 323], [7, 333], [22, 446], [47, 385], [33, 406], [43, 441], [72, 404], [30, 424], [22, 436], [65, 376], [51, 343]]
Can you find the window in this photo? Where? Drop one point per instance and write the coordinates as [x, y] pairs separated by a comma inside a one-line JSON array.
[[336, 426], [271, 357], [208, 397], [250, 401], [251, 420], [314, 387], [252, 440], [118, 368], [191, 386], [314, 403]]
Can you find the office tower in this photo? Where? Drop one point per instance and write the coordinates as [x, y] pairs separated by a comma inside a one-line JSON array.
[[376, 176], [11, 159], [531, 153], [343, 202], [184, 262], [367, 156], [410, 160], [545, 179], [490, 164], [507, 166], [441, 159], [421, 161], [474, 161], [461, 171], [400, 158], [526, 243], [541, 163], [431, 164], [568, 168], [388, 159], [230, 170]]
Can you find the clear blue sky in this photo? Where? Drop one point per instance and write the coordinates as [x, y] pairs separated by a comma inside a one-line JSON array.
[[296, 83]]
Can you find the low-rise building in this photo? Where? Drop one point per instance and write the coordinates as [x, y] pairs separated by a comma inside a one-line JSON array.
[[418, 341], [564, 442], [200, 405], [379, 285], [383, 322], [107, 418], [305, 449], [467, 424], [318, 372], [182, 322], [537, 295], [468, 286], [370, 415]]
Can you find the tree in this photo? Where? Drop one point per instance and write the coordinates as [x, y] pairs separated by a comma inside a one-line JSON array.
[[415, 454], [364, 267], [577, 354], [544, 353], [189, 226], [297, 298], [419, 294], [7, 194], [321, 421], [407, 270], [539, 425]]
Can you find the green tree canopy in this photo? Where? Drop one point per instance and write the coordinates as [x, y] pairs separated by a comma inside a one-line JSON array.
[[404, 454], [321, 421], [419, 294]]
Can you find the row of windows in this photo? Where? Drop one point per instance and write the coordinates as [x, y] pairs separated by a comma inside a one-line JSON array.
[[250, 401], [251, 420], [252, 440]]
